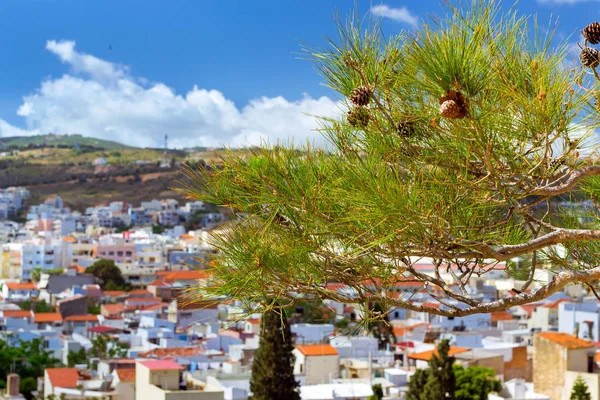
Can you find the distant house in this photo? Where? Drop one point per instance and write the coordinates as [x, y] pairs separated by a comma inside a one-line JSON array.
[[43, 320], [99, 161], [59, 378], [316, 363], [558, 358], [19, 291]]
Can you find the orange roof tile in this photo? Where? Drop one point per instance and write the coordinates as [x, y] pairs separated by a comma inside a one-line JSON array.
[[63, 377], [138, 292], [47, 317], [159, 282], [185, 276], [17, 314], [82, 318], [173, 351], [142, 300], [186, 236], [69, 239], [528, 308], [317, 350], [554, 304], [126, 374], [254, 321], [500, 316], [567, 341], [20, 285], [114, 293], [426, 355], [114, 308]]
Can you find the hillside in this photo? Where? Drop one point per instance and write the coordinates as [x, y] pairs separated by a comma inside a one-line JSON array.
[[52, 140], [51, 165]]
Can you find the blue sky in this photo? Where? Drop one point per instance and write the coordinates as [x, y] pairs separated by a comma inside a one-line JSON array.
[[206, 72]]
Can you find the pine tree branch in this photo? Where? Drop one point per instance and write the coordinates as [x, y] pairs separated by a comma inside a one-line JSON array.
[[570, 183]]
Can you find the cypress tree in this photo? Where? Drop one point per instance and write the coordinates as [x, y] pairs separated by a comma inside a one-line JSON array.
[[273, 365], [441, 383], [438, 382], [580, 390]]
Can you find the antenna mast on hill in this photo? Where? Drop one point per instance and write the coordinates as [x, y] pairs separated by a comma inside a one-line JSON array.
[[165, 161]]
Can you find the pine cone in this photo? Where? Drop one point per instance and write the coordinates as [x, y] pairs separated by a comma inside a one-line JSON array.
[[453, 105], [592, 33], [361, 96], [589, 57], [450, 109], [358, 117], [406, 129]]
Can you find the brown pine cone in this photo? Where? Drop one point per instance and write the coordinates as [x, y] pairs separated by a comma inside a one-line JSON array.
[[450, 109]]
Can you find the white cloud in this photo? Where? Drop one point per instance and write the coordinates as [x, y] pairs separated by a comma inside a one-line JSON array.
[[100, 99], [397, 14]]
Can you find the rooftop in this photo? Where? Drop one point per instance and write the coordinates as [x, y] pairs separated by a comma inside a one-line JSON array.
[[173, 351], [17, 314], [501, 316], [126, 374], [161, 365], [63, 377], [567, 341], [47, 317], [317, 350], [20, 285], [426, 355], [82, 318]]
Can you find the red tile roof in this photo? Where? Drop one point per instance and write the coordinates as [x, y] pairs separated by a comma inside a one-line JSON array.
[[528, 308], [567, 341], [82, 318], [161, 365], [317, 350], [554, 304], [426, 355], [20, 285], [254, 321], [17, 314], [126, 374], [63, 377], [102, 329], [47, 317], [139, 292], [142, 300], [114, 293], [185, 276], [173, 351], [500, 316], [160, 282], [113, 308]]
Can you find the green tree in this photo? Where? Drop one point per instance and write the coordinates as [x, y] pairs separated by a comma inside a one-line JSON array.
[[94, 309], [475, 383], [273, 366], [39, 306], [454, 133], [580, 390], [377, 392], [77, 357], [436, 382], [441, 383], [107, 274], [36, 274], [105, 347], [29, 359], [416, 384]]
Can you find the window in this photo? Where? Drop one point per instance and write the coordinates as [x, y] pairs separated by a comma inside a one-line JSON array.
[[120, 253], [111, 253]]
